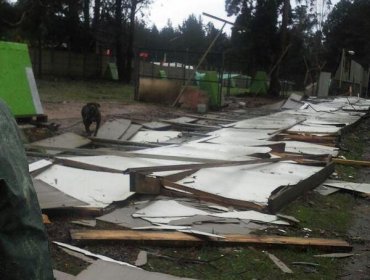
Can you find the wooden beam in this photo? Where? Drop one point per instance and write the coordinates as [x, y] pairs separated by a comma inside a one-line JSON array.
[[94, 152], [209, 197], [324, 140], [125, 143], [144, 184], [86, 166], [351, 162], [183, 239], [204, 165]]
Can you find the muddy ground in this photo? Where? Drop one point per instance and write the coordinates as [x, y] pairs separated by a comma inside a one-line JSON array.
[[68, 115], [359, 233]]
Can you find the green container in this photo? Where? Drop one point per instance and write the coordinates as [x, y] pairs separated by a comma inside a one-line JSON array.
[[17, 83], [211, 85]]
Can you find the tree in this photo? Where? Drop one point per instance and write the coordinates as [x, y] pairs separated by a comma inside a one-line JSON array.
[[192, 33], [133, 7], [268, 39], [347, 27]]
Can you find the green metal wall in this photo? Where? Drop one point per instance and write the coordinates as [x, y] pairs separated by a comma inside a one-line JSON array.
[[15, 84]]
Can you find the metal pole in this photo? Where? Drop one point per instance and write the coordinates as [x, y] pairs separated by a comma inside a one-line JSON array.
[[197, 67], [341, 69]]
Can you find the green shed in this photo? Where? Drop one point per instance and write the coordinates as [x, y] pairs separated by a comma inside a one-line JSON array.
[[17, 83]]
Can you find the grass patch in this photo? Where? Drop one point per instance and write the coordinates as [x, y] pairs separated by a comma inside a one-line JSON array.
[[73, 90], [241, 263], [352, 148], [324, 215]]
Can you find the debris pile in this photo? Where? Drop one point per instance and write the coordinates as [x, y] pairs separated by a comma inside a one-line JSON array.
[[214, 178]]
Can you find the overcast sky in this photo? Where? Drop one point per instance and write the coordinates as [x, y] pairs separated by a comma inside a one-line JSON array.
[[178, 10]]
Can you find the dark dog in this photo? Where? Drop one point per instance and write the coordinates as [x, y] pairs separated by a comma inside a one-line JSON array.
[[90, 114]]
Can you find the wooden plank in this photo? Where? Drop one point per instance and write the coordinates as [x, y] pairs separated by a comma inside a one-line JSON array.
[[351, 162], [179, 238], [85, 166], [324, 140], [143, 184], [124, 142], [283, 267], [74, 212], [203, 165], [205, 196], [94, 152]]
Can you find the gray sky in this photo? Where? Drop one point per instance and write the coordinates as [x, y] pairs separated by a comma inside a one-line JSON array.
[[178, 10]]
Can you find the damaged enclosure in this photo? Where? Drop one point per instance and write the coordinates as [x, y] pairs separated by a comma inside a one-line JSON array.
[[196, 179]]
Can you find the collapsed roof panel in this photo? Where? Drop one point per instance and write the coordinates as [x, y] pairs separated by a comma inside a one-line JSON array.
[[97, 189]]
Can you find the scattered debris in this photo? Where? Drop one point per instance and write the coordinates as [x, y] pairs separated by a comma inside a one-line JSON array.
[[306, 264], [283, 267], [67, 140], [356, 187], [113, 271], [142, 259], [335, 255], [58, 275], [204, 174], [87, 223]]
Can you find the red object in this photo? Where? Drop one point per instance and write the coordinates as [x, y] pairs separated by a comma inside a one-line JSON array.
[[144, 55]]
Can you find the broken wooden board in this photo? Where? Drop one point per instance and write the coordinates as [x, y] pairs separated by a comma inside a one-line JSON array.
[[183, 239], [113, 129], [335, 255], [67, 140], [323, 140], [283, 267], [351, 162]]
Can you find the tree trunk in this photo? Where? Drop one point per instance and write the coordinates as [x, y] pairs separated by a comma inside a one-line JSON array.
[[95, 23], [130, 42], [119, 42], [86, 46], [275, 86]]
